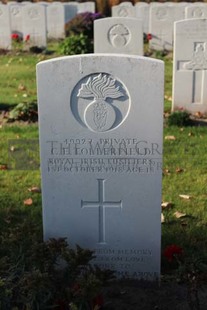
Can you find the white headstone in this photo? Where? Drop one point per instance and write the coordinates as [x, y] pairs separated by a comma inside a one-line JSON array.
[[46, 3], [197, 10], [16, 18], [161, 27], [179, 11], [34, 24], [122, 35], [100, 120], [55, 21], [123, 11], [71, 10], [88, 6], [190, 66], [126, 3], [5, 27], [142, 13]]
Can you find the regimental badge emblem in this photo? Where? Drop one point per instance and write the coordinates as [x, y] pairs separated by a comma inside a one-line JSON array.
[[119, 35], [100, 102]]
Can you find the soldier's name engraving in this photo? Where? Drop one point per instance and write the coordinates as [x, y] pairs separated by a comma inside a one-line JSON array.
[[103, 147], [107, 155]]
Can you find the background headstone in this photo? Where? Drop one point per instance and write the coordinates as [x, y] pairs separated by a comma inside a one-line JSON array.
[[142, 13], [5, 27], [55, 21], [16, 18], [122, 35], [161, 27], [71, 10], [34, 24], [101, 125], [190, 66], [196, 11], [88, 6], [123, 11]]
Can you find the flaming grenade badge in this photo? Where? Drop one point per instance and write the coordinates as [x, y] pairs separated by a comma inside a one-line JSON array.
[[99, 114]]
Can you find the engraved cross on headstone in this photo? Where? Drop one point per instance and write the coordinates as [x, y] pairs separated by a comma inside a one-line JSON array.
[[197, 66], [101, 204]]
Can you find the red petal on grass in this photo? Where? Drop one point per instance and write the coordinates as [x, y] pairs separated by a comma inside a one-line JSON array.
[[28, 202]]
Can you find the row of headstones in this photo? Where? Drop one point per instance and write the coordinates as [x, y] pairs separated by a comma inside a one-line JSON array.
[[158, 18], [39, 20], [123, 36], [101, 119]]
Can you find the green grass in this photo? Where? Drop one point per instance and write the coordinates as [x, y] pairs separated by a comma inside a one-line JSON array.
[[187, 152]]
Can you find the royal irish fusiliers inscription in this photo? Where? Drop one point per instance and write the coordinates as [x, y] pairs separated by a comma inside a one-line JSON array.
[[101, 122], [103, 156]]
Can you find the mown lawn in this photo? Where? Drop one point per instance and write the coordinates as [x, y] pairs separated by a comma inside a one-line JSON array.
[[184, 169]]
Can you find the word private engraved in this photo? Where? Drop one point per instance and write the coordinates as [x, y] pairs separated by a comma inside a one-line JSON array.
[[119, 35], [101, 204], [109, 106]]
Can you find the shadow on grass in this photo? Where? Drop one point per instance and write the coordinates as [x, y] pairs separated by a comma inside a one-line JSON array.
[[6, 106]]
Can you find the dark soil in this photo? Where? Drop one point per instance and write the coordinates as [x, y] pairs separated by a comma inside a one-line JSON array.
[[136, 295]]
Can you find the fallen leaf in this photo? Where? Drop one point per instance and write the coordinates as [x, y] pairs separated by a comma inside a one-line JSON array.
[[162, 218], [12, 148], [3, 167], [199, 114], [166, 205], [178, 214], [34, 189], [168, 97], [179, 170], [28, 202], [21, 87], [166, 114], [166, 171], [170, 138], [185, 197]]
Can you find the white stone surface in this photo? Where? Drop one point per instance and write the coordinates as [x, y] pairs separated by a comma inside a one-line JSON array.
[[34, 24], [56, 21], [71, 10], [88, 6], [100, 120], [190, 66], [16, 18], [179, 10], [142, 13], [123, 11], [126, 3], [5, 27], [161, 27], [121, 35], [196, 10]]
